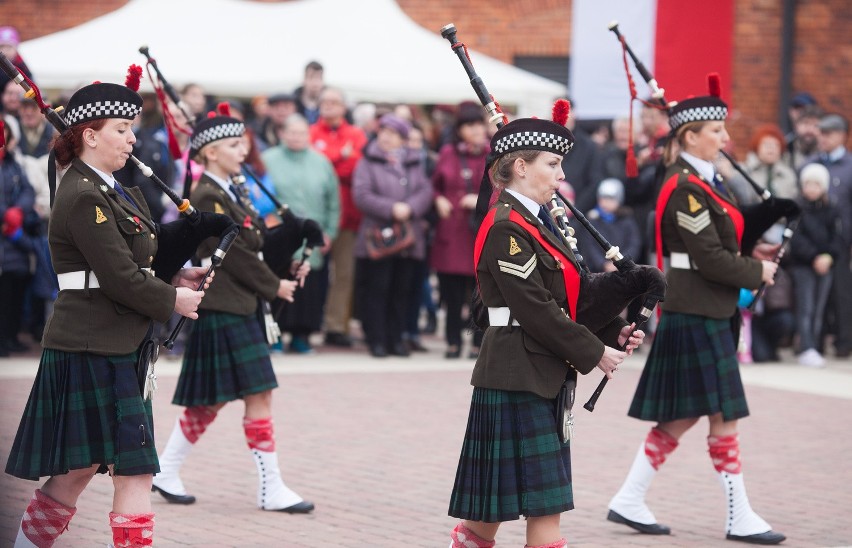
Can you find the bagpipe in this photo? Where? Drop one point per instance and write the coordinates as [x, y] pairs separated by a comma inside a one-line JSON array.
[[758, 217], [179, 239], [603, 296], [281, 241]]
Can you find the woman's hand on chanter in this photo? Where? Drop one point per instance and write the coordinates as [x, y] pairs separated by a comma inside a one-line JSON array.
[[191, 277], [186, 302], [610, 361], [631, 339]]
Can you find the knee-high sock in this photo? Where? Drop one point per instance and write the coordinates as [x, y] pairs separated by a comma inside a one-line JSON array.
[[272, 493], [188, 428], [742, 520], [463, 537], [132, 530], [561, 543], [629, 501], [195, 421], [43, 521]]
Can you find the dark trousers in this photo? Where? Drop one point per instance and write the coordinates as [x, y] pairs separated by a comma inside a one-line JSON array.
[[419, 275], [384, 287], [812, 292], [841, 302], [455, 292], [767, 332], [13, 287]]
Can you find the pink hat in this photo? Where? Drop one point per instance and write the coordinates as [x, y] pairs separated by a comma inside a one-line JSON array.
[[9, 36]]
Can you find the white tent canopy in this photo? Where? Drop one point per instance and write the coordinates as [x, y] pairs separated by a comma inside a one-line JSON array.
[[369, 48]]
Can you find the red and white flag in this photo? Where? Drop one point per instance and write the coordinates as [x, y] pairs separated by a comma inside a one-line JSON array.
[[678, 41]]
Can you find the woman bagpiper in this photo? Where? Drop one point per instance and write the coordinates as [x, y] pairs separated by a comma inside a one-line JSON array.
[[692, 370], [227, 355], [86, 413], [513, 462]]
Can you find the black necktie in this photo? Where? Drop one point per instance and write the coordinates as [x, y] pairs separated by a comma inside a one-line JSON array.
[[544, 216], [121, 192]]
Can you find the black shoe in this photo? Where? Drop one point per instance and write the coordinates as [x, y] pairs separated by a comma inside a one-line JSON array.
[[173, 499], [452, 352], [378, 351], [769, 537], [645, 528], [304, 507], [416, 346], [400, 349], [338, 339]]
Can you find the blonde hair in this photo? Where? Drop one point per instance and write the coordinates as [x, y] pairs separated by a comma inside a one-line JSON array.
[[670, 154], [501, 171]]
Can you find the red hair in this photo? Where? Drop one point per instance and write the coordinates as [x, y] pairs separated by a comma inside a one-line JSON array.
[[766, 130], [69, 144]]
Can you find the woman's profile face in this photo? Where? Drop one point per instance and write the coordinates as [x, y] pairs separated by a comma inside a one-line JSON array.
[[539, 179], [226, 155], [707, 142], [113, 144]]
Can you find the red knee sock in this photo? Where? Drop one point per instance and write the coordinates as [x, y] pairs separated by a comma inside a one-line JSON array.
[[45, 519], [195, 421], [132, 530], [260, 434], [725, 452], [561, 543], [658, 446], [465, 538]]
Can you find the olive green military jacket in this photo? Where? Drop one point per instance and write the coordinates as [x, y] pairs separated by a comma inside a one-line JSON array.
[[92, 229], [696, 224], [242, 276], [515, 271]]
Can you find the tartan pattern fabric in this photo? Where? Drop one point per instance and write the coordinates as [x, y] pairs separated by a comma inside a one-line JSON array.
[[102, 109], [226, 358], [691, 371], [538, 140], [512, 463], [84, 409], [132, 530], [195, 421], [45, 519]]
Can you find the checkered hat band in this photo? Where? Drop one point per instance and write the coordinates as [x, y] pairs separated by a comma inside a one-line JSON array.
[[222, 131], [533, 139], [102, 109], [698, 114]]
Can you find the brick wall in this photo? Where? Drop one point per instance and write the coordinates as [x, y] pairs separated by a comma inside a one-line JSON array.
[[542, 27]]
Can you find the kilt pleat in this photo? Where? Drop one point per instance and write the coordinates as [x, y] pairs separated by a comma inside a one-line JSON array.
[[83, 410], [691, 371], [226, 358], [512, 463]]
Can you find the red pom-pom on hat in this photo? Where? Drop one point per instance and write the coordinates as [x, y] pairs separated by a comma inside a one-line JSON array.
[[561, 110], [211, 114], [714, 84], [134, 77], [224, 108]]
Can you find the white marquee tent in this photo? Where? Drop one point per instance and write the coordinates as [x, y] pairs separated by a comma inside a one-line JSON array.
[[369, 48]]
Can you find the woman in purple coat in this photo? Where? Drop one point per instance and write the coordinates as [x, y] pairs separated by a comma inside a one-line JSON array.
[[391, 189], [456, 182]]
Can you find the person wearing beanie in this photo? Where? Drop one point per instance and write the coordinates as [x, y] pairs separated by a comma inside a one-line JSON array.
[[227, 353], [814, 248], [692, 370], [615, 222], [516, 458], [87, 412]]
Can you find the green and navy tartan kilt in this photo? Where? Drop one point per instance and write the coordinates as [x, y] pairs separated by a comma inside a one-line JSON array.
[[84, 409], [512, 463], [226, 358], [691, 371]]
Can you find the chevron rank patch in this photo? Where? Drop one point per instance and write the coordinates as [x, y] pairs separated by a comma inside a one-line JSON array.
[[99, 216], [521, 271], [693, 204], [514, 248], [217, 208], [694, 224]]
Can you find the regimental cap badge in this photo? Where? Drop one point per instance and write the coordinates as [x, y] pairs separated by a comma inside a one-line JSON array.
[[693, 204], [99, 216], [514, 248]]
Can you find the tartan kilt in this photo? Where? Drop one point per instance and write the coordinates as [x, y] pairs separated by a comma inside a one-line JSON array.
[[512, 463], [691, 371], [84, 409], [226, 358]]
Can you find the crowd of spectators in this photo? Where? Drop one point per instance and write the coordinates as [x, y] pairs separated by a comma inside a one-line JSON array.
[[394, 189]]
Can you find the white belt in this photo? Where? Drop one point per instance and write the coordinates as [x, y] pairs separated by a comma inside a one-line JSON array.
[[681, 260], [77, 280], [500, 316]]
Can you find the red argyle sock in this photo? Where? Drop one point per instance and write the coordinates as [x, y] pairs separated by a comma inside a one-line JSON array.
[[465, 538], [195, 421], [131, 530], [725, 453], [45, 519], [260, 434], [658, 446], [561, 543]]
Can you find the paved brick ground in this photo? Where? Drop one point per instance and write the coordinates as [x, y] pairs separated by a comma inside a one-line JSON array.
[[374, 443]]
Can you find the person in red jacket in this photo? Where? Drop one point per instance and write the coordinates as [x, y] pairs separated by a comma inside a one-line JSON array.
[[342, 143]]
